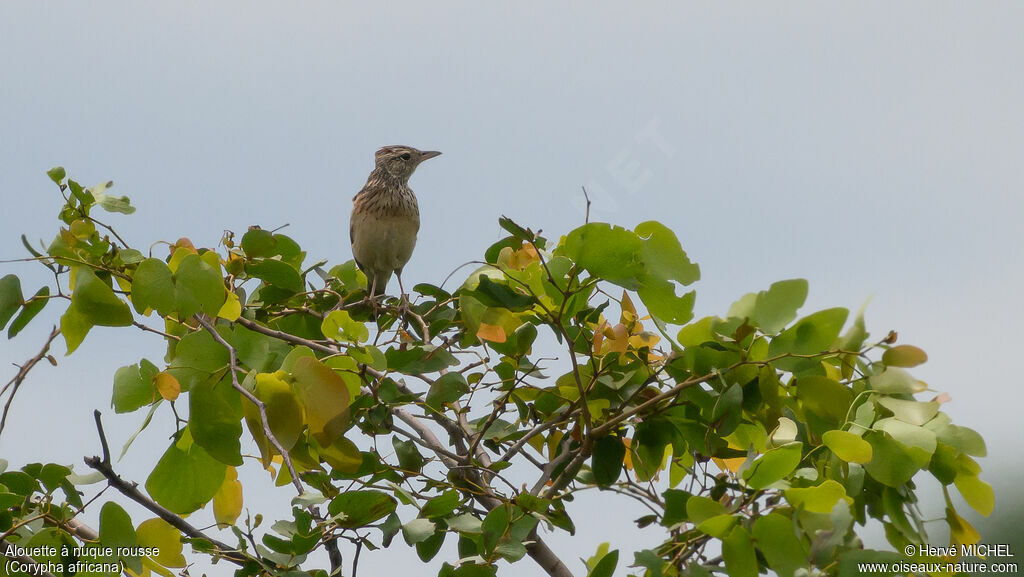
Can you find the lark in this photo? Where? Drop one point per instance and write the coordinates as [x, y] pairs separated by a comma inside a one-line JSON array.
[[386, 217]]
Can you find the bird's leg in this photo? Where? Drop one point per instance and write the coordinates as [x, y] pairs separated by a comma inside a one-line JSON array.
[[403, 306], [372, 297]]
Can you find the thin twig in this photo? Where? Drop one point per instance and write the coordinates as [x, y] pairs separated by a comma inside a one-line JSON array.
[[265, 421], [586, 220], [23, 370], [102, 465], [332, 546]]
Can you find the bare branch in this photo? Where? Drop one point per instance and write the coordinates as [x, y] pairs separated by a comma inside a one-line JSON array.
[[23, 371], [132, 492]]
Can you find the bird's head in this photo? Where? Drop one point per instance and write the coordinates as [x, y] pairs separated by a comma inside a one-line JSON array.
[[401, 161]]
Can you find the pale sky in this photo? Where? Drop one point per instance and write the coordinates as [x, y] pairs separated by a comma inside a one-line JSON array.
[[873, 148]]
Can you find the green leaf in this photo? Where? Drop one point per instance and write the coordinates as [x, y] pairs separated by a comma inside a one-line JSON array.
[[116, 531], [662, 302], [495, 525], [29, 311], [894, 381], [409, 458], [97, 303], [417, 360], [325, 397], [196, 357], [284, 412], [814, 333], [441, 506], [198, 287], [53, 475], [92, 303], [606, 566], [847, 446], [11, 298], [130, 256], [675, 507], [647, 261], [133, 387], [608, 252], [418, 530], [186, 477], [360, 508], [911, 436], [697, 333], [776, 539], [495, 294], [109, 202], [912, 412], [340, 326], [700, 509], [904, 356], [257, 243], [773, 466], [717, 526], [56, 174], [891, 463], [649, 560], [824, 397], [662, 254], [819, 499], [446, 389], [153, 287], [606, 460], [276, 273], [963, 438], [738, 554], [215, 419], [773, 309], [466, 523], [648, 447]]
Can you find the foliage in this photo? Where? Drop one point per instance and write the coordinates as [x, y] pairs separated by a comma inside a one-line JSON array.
[[758, 440]]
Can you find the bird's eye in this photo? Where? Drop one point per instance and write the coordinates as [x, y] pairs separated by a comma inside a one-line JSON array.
[[406, 156]]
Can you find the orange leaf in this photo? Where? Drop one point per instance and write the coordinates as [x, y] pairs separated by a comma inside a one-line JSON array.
[[168, 386], [493, 333], [184, 243]]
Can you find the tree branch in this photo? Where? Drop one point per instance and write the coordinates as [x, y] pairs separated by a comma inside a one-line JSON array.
[[331, 545], [23, 371], [132, 492]]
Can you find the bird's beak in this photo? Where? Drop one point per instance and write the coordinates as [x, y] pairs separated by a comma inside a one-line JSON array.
[[426, 154]]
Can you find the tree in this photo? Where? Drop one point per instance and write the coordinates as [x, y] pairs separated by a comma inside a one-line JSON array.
[[757, 440]]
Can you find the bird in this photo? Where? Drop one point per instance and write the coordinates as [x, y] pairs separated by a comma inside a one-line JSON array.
[[386, 217]]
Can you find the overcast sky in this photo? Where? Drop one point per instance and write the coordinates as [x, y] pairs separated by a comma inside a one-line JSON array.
[[874, 148]]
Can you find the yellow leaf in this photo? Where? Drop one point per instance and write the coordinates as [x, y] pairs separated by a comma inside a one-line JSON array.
[[492, 333], [733, 464], [618, 340], [629, 315], [159, 534], [599, 336], [324, 397], [960, 531], [523, 257], [232, 308], [168, 386], [343, 455], [227, 502], [177, 255], [644, 339]]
